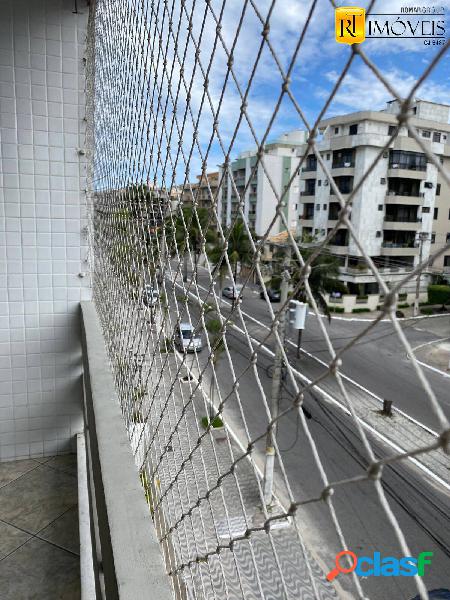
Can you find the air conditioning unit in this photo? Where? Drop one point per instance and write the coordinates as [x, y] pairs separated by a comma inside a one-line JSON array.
[[428, 185], [421, 194], [391, 193], [394, 166], [385, 154], [347, 164], [325, 182]]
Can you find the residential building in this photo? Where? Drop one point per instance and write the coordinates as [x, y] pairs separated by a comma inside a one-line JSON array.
[[203, 191], [260, 184], [401, 209]]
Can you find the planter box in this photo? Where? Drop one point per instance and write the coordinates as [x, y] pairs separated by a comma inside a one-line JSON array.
[[218, 433]]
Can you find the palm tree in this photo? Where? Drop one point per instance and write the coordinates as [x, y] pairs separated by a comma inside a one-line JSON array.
[[186, 234], [323, 278], [239, 251]]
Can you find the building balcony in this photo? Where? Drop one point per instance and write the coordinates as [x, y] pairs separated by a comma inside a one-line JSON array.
[[387, 249], [407, 173], [411, 200], [338, 249], [307, 193], [400, 224]]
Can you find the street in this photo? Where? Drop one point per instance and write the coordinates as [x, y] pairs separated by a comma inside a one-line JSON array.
[[378, 363]]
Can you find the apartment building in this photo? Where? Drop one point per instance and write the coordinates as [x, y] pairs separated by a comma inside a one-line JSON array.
[[402, 208], [203, 191], [259, 188]]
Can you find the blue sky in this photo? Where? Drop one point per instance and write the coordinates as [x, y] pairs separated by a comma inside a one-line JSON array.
[[318, 63]]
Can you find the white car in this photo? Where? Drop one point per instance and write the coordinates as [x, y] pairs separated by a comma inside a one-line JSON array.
[[186, 340], [232, 291]]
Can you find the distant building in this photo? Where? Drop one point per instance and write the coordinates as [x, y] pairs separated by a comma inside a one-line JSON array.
[[203, 191], [260, 187], [402, 206]]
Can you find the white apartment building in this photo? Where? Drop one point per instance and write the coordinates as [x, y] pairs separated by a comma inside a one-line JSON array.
[[402, 203], [281, 159]]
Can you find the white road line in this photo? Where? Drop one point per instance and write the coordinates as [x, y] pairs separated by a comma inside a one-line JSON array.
[[345, 377], [344, 409]]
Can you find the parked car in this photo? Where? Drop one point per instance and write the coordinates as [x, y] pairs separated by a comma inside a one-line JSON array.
[[150, 295], [274, 295], [186, 340], [232, 291]]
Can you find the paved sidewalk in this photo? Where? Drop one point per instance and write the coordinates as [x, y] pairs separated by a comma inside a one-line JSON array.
[[267, 565], [436, 354]]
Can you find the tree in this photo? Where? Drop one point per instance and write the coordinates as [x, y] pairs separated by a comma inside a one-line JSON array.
[[239, 251], [186, 234], [439, 294]]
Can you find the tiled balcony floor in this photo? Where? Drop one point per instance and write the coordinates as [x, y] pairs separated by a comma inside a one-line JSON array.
[[39, 542]]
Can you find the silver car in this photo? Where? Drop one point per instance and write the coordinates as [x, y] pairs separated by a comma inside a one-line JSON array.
[[186, 340], [232, 291]]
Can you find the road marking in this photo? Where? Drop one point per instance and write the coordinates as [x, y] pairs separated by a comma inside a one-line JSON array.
[[345, 377], [343, 408]]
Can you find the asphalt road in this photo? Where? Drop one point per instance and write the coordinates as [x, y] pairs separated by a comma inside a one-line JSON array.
[[422, 510], [378, 363]]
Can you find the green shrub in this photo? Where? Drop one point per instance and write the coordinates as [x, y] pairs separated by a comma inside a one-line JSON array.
[[336, 309], [426, 311], [402, 296], [439, 294], [361, 310], [215, 423], [424, 303], [334, 285], [404, 305], [362, 297]]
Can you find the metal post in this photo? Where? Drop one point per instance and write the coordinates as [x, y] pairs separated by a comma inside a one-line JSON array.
[[423, 236], [299, 342], [276, 383]]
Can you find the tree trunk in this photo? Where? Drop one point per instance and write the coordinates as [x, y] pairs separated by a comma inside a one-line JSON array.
[[185, 267]]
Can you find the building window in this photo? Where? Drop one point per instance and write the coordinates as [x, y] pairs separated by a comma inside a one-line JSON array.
[[392, 130], [447, 261], [378, 234], [403, 159], [438, 189], [353, 129], [433, 238], [426, 134], [380, 207], [324, 207], [383, 181], [436, 136], [414, 110], [435, 214], [447, 238], [328, 156], [425, 209], [336, 130], [317, 206], [449, 214], [319, 182]]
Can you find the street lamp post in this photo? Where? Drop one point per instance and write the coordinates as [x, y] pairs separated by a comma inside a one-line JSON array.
[[423, 237]]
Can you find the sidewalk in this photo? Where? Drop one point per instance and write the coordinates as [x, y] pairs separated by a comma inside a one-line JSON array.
[[267, 564], [435, 354]]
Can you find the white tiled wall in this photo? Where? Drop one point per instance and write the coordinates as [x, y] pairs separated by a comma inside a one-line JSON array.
[[42, 220]]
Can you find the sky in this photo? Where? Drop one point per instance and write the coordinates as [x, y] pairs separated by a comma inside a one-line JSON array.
[[257, 72]]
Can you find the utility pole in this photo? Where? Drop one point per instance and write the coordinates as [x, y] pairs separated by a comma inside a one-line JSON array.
[[423, 237], [276, 382]]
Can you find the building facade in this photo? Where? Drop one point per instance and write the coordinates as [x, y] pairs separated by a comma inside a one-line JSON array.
[[400, 211], [259, 185], [203, 191]]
